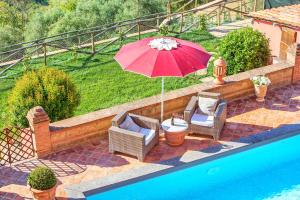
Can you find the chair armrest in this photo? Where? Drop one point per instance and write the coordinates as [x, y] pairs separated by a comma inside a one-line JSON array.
[[119, 118], [146, 122], [220, 114], [122, 133], [190, 109]]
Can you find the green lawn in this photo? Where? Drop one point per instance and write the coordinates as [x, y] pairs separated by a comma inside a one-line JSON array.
[[101, 81]]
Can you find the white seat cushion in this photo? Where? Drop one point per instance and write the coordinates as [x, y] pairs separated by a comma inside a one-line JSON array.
[[202, 120], [130, 125], [149, 133]]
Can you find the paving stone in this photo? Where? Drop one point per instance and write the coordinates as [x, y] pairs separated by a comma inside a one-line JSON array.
[[248, 122]]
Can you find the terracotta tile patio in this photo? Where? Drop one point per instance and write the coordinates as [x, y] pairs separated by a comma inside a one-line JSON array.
[[245, 117]]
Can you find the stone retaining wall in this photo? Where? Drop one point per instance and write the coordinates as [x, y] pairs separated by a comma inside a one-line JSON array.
[[93, 126]]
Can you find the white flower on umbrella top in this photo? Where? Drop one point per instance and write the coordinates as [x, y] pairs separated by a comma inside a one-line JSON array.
[[163, 44]]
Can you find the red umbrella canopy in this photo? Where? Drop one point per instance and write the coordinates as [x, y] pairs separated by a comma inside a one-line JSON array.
[[161, 57]]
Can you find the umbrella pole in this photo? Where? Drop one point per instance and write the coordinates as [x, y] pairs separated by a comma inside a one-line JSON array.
[[162, 100]]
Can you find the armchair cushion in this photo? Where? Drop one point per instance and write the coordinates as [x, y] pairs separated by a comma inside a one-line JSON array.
[[130, 125], [149, 133], [202, 120], [207, 105]]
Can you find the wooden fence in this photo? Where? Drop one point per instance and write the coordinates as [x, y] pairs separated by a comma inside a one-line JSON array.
[[97, 39], [16, 144]]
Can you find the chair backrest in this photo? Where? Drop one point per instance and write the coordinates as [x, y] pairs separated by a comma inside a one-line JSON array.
[[119, 118], [210, 95], [208, 109]]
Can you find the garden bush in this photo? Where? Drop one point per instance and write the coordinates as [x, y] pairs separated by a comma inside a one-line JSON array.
[[203, 24], [47, 87], [41, 178], [244, 49]]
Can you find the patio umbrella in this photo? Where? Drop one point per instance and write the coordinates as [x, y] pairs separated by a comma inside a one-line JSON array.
[[162, 57]]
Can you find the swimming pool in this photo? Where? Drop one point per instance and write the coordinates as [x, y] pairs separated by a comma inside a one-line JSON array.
[[270, 171]]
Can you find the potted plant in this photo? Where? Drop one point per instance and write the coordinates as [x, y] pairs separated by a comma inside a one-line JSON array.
[[261, 84], [42, 183]]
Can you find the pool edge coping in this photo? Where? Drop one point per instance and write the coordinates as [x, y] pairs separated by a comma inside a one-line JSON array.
[[81, 190]]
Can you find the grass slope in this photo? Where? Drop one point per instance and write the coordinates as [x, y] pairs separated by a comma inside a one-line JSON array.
[[101, 81]]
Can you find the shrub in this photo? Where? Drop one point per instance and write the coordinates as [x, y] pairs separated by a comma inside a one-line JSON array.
[[203, 26], [47, 87], [41, 178], [164, 30], [244, 49]]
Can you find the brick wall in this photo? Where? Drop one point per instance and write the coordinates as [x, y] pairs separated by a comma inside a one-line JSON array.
[[296, 72], [93, 126]]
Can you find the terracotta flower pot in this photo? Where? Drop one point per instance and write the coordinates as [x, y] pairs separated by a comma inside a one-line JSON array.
[[43, 194], [260, 92]]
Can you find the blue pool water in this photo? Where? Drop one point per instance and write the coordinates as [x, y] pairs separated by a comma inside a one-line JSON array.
[[268, 172]]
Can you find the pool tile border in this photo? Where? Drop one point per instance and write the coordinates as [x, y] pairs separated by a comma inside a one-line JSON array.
[[79, 191]]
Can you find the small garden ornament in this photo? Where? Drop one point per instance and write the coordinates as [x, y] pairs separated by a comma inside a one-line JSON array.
[[261, 84], [219, 71]]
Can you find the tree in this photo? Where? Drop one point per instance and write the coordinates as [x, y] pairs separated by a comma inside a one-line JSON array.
[[135, 8], [13, 17], [43, 2], [187, 4], [71, 15], [9, 36], [42, 22], [22, 10], [65, 5], [9, 16]]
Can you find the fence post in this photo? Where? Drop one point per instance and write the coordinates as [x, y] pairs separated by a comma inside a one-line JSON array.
[[157, 21], [93, 43], [255, 5], [169, 10], [39, 123], [169, 7], [45, 54], [139, 29], [181, 22], [219, 15], [241, 8]]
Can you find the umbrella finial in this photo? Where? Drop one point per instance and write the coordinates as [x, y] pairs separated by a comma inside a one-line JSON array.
[[163, 44]]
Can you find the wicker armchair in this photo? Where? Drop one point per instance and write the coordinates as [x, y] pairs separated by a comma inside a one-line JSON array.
[[216, 120], [129, 142]]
